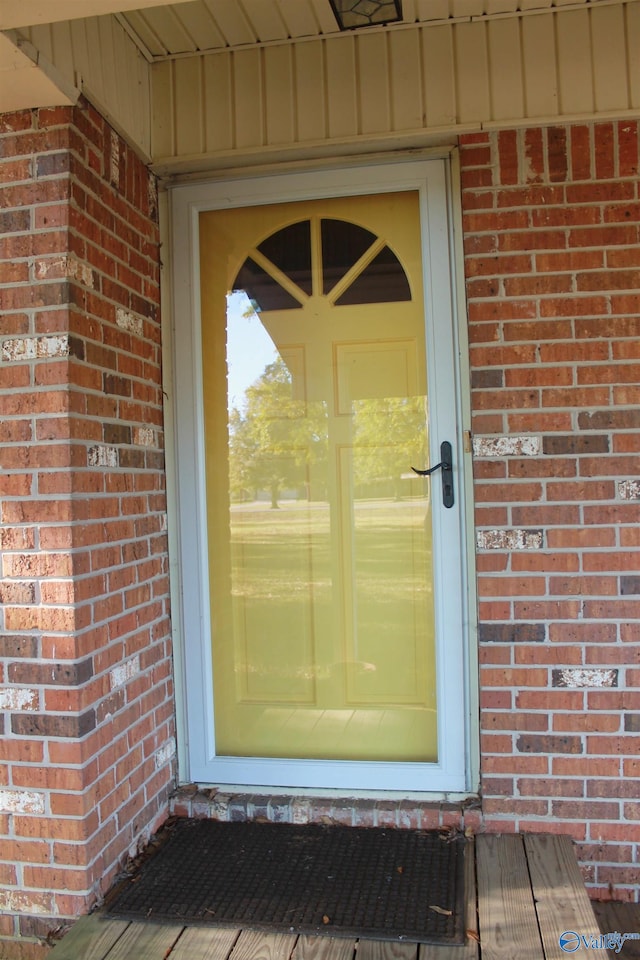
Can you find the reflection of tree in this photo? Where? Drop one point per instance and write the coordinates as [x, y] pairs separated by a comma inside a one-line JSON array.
[[277, 439], [280, 443], [389, 436]]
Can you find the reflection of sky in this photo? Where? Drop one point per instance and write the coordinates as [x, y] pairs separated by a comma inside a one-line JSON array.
[[249, 348]]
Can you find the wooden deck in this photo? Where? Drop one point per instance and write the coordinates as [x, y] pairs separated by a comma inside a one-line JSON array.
[[523, 893]]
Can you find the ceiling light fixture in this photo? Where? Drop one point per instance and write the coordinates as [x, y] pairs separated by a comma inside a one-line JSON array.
[[351, 14]]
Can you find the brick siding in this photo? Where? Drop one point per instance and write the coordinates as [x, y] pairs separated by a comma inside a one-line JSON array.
[[552, 244], [552, 250], [86, 709]]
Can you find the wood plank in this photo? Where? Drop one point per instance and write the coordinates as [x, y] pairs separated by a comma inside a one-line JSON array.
[[506, 912], [614, 917], [386, 950], [561, 898], [470, 950], [205, 943], [90, 938], [255, 945], [324, 948], [145, 941]]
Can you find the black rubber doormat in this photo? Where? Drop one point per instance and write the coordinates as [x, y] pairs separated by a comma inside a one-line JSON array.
[[339, 881]]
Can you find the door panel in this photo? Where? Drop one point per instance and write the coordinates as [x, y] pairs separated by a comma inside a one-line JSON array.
[[315, 657], [320, 554]]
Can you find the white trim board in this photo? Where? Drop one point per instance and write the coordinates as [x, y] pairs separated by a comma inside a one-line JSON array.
[[456, 770]]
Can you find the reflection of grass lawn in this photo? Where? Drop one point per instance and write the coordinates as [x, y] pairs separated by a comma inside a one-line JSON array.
[[391, 513], [278, 553]]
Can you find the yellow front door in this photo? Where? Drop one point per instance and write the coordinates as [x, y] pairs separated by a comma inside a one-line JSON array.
[[315, 410]]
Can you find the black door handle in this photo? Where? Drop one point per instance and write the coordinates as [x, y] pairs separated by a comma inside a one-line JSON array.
[[446, 465]]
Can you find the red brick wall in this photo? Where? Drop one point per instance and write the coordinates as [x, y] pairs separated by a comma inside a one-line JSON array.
[[551, 221], [86, 698]]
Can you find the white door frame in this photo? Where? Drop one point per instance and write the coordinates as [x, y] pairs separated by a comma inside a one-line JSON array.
[[456, 770]]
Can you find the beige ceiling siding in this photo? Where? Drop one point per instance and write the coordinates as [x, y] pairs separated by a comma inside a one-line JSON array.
[[310, 92], [395, 87], [22, 13], [98, 56], [439, 81], [632, 13], [574, 63], [610, 56], [507, 97]]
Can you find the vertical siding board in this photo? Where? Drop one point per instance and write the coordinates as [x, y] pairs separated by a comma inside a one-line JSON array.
[[106, 53], [142, 74], [609, 58], [218, 107], [466, 8], [407, 110], [430, 9], [311, 105], [505, 69], [373, 83], [279, 87], [575, 81], [40, 36], [62, 46], [189, 107], [633, 61], [439, 76], [79, 46], [299, 18], [539, 62], [162, 126], [341, 87], [472, 71], [248, 98], [230, 21], [95, 65]]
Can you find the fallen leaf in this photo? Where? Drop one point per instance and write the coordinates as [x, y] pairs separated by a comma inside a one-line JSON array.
[[325, 919], [473, 936], [445, 913], [400, 869]]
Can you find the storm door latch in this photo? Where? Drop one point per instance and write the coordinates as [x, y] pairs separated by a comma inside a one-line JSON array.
[[446, 465]]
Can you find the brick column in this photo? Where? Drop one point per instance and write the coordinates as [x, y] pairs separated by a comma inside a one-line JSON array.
[[552, 220], [86, 708]]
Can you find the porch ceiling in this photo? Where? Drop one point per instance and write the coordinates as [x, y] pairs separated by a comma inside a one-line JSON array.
[[173, 28], [26, 13], [207, 25]]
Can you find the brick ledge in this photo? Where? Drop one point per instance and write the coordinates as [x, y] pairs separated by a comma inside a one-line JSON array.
[[220, 804]]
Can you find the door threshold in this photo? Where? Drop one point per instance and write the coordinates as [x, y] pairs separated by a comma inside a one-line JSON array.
[[222, 803]]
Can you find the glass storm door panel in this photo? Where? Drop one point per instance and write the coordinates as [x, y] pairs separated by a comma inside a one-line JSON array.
[[320, 552]]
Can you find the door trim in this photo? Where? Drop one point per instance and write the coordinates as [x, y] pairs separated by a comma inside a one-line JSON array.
[[459, 687]]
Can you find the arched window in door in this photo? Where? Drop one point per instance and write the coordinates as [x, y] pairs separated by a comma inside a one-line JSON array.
[[335, 258]]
